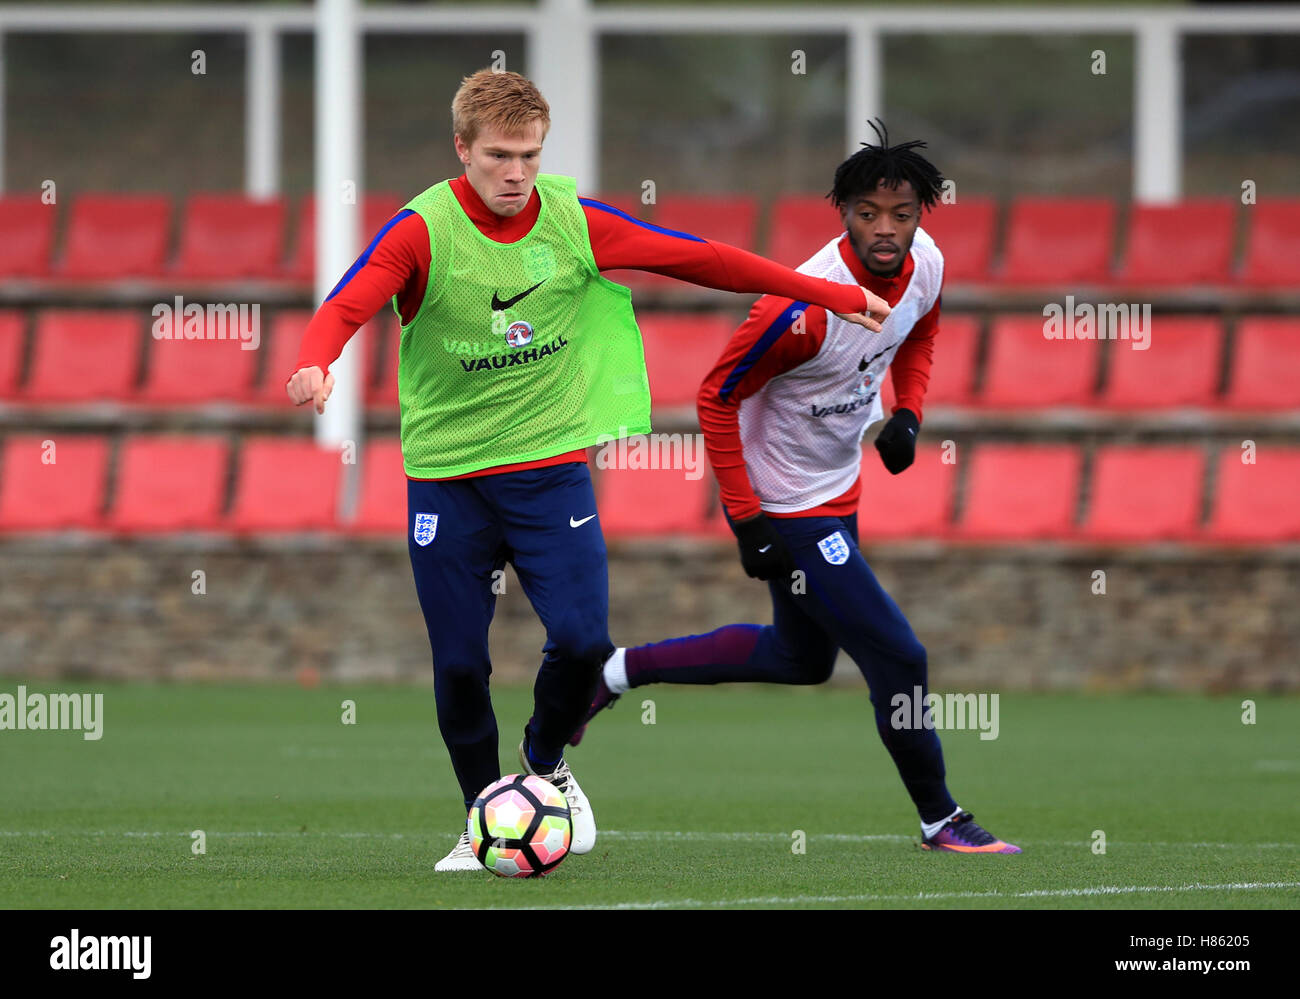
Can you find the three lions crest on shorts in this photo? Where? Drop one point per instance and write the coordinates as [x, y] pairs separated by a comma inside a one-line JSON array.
[[834, 548], [426, 526]]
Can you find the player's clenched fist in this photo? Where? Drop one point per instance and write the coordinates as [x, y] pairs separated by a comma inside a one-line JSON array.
[[874, 312], [310, 385], [897, 441], [763, 551]]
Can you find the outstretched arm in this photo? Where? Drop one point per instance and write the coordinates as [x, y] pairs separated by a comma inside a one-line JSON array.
[[620, 241]]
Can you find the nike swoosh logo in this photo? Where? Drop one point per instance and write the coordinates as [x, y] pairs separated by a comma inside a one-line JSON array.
[[764, 549], [579, 523], [499, 306], [864, 363]]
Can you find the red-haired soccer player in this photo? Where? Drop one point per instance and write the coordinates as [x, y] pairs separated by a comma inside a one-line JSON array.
[[515, 356]]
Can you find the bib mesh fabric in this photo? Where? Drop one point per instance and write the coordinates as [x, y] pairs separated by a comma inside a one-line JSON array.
[[519, 350]]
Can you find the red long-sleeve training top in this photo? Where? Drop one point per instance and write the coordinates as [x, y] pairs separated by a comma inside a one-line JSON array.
[[397, 263]]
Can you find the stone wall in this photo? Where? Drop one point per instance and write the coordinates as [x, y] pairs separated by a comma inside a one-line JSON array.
[[341, 611]]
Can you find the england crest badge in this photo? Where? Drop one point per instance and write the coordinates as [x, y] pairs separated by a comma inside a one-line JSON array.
[[834, 548], [426, 526]]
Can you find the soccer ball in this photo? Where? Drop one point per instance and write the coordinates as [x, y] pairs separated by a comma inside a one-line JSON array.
[[520, 827]]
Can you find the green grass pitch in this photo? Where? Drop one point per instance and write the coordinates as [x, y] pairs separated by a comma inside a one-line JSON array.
[[699, 809]]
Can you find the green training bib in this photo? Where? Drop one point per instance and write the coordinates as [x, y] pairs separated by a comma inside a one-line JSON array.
[[519, 351]]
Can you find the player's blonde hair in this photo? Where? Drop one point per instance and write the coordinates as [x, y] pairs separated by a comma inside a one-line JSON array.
[[505, 101]]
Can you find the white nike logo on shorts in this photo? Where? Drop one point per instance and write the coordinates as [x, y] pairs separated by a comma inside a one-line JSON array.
[[763, 549], [579, 523]]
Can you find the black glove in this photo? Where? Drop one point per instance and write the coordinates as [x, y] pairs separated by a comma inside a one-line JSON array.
[[763, 551], [897, 442]]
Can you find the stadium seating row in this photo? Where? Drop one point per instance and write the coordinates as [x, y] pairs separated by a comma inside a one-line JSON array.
[[111, 237], [1137, 494], [83, 356], [1054, 241], [1042, 240]]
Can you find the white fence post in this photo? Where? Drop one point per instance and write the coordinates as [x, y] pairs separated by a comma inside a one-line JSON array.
[[1157, 112], [338, 172], [262, 111], [866, 97], [2, 112], [562, 62]]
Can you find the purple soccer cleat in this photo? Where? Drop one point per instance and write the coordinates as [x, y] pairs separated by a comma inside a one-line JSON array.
[[603, 699], [962, 835]]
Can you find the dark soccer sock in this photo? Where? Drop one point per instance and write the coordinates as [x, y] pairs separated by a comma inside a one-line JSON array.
[[540, 764]]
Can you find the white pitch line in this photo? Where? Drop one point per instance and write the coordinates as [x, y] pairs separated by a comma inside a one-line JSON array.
[[693, 903], [646, 834]]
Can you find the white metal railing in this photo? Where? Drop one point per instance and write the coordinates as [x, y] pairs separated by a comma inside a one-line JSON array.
[[562, 52]]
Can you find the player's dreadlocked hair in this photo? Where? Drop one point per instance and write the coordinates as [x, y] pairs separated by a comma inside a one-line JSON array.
[[864, 170]]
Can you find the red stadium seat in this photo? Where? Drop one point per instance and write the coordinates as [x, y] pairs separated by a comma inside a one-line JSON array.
[[801, 225], [952, 371], [1187, 243], [287, 326], [382, 508], [12, 327], [1257, 503], [1058, 241], [917, 503], [1179, 368], [116, 236], [1020, 492], [170, 483], [1026, 369], [652, 502], [383, 335], [1145, 494], [285, 484], [50, 489], [229, 236], [376, 211], [1272, 256], [964, 233], [82, 355], [679, 351], [956, 347], [196, 372], [1265, 369], [26, 235]]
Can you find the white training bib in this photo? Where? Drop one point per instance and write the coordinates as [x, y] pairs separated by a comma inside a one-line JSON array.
[[802, 431]]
